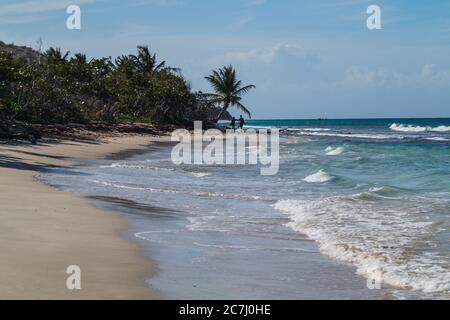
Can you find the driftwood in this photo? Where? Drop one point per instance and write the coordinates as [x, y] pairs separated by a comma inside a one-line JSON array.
[[74, 129], [10, 130]]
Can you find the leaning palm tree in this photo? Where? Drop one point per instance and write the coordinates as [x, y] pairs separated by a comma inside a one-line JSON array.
[[228, 90]]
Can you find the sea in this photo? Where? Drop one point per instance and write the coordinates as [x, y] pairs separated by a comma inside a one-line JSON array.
[[360, 209]]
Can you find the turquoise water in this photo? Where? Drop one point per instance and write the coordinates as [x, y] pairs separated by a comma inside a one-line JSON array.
[[381, 195], [371, 123], [353, 200]]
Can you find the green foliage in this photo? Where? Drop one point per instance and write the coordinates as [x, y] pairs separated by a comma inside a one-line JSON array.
[[60, 88], [7, 74], [228, 89]]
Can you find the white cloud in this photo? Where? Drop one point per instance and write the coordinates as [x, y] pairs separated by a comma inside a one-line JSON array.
[[37, 6], [33, 10], [266, 55]]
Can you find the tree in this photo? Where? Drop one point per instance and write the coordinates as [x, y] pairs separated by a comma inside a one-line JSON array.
[[228, 90], [56, 56], [145, 62], [6, 77], [57, 87]]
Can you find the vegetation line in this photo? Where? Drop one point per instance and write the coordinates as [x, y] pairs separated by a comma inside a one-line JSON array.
[[56, 88]]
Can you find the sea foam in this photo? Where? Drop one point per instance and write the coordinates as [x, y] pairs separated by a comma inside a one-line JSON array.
[[335, 152], [351, 135], [318, 177], [440, 139], [317, 129], [376, 239], [412, 128]]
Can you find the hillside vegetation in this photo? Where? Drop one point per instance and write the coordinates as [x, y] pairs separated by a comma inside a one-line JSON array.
[[56, 87]]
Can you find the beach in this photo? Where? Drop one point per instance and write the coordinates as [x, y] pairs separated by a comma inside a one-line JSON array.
[[44, 231], [358, 210]]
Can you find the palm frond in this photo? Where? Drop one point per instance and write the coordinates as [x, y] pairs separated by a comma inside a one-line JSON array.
[[210, 95], [244, 90], [243, 108]]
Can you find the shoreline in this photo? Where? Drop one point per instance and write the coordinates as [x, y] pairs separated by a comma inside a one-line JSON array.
[[175, 278], [45, 230], [189, 259]]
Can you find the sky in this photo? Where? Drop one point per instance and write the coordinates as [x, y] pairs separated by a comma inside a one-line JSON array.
[[307, 58]]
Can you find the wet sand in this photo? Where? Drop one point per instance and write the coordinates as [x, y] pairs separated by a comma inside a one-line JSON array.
[[43, 231]]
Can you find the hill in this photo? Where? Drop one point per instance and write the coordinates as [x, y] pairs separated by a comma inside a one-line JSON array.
[[20, 52]]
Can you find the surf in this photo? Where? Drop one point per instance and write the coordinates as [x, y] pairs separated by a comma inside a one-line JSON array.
[[412, 128], [318, 177], [373, 237], [334, 152]]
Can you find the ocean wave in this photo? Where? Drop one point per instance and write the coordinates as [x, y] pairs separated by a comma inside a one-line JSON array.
[[439, 139], [137, 166], [123, 186], [385, 191], [376, 136], [378, 239], [335, 152], [317, 129], [268, 128], [225, 196], [161, 169], [249, 248], [352, 135], [122, 166], [379, 192], [195, 193], [200, 174], [318, 177], [412, 128], [206, 223]]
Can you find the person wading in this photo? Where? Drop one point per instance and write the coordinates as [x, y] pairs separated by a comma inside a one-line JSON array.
[[233, 123], [241, 122]]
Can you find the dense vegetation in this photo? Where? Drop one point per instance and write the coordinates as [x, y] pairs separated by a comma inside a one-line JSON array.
[[56, 87]]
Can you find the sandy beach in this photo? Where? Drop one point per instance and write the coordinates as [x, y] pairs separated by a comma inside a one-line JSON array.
[[43, 231]]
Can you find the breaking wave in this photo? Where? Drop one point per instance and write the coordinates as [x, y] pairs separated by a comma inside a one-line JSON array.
[[380, 240], [318, 177], [334, 152], [412, 128]]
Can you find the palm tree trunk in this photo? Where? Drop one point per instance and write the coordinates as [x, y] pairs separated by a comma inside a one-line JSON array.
[[225, 107]]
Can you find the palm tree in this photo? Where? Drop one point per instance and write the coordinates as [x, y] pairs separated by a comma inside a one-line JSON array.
[[147, 62], [228, 90], [55, 55], [126, 65], [80, 58]]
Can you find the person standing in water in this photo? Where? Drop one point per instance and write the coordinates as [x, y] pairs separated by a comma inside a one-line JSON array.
[[241, 122], [233, 123]]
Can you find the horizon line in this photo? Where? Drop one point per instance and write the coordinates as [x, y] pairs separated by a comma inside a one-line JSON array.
[[325, 119]]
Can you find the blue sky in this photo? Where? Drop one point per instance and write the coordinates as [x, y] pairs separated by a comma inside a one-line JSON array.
[[308, 59]]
